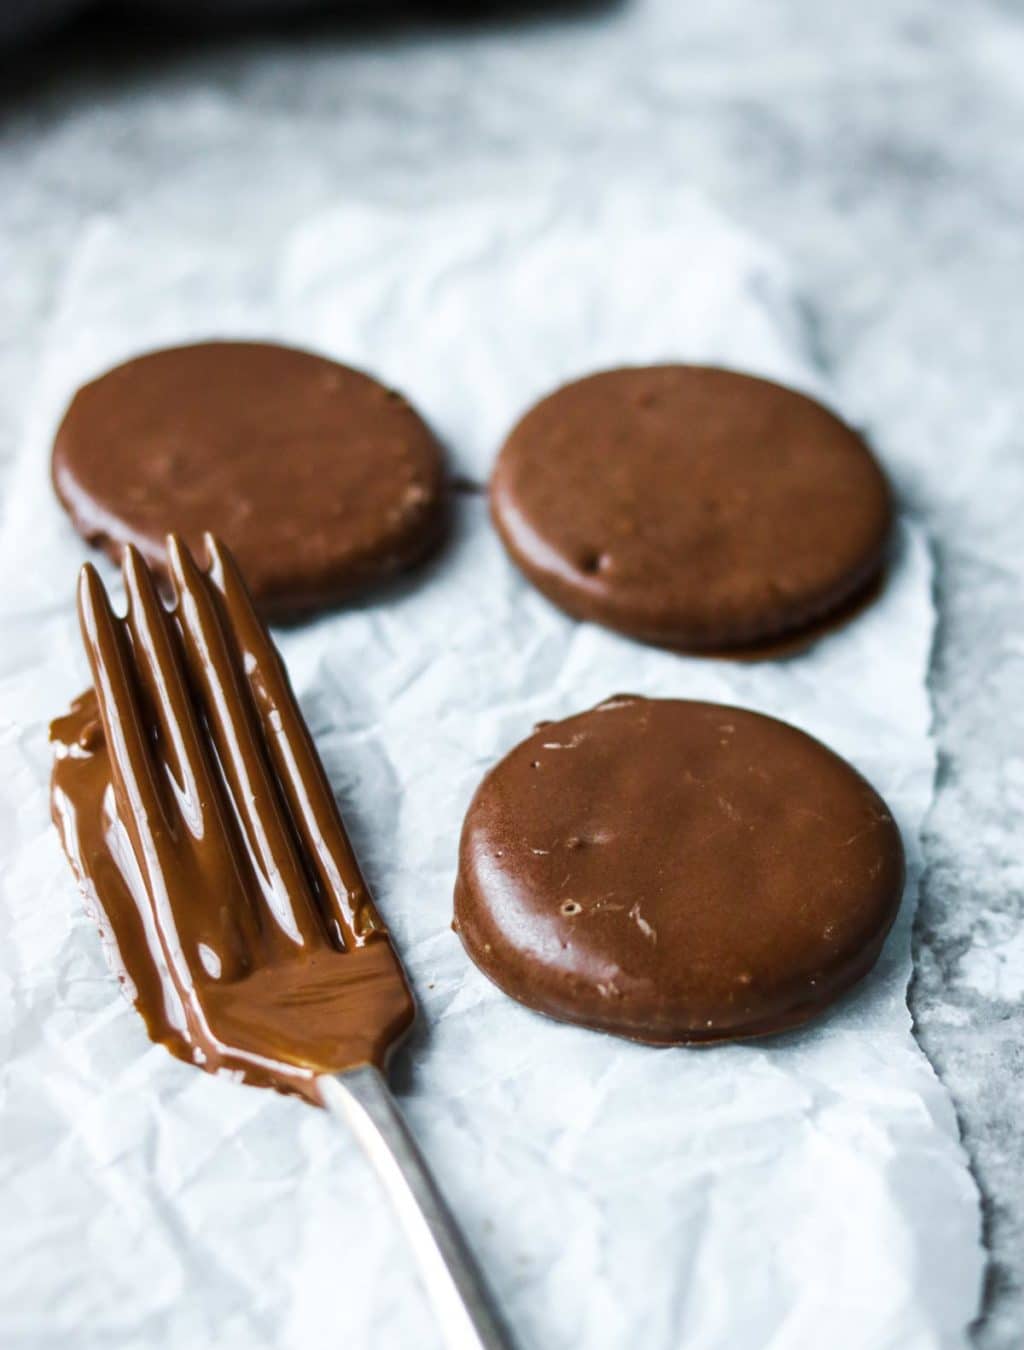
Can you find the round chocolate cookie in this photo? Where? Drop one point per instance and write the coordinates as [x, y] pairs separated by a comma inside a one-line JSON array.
[[691, 507], [676, 872], [320, 479]]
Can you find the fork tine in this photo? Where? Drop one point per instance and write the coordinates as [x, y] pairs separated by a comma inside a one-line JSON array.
[[295, 760], [235, 733], [159, 673], [137, 781], [201, 807]]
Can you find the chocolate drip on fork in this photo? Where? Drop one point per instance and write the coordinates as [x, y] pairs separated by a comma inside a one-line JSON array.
[[202, 828], [293, 755]]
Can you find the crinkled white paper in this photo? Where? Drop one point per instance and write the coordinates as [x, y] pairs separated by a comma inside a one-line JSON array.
[[800, 1192]]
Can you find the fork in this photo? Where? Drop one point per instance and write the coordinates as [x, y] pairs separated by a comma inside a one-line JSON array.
[[238, 910]]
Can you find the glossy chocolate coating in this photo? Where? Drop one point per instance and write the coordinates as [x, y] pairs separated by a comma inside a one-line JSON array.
[[202, 830], [691, 507], [321, 480], [676, 872]]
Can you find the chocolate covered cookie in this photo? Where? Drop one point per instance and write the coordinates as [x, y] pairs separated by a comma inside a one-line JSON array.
[[320, 479], [691, 507], [676, 872]]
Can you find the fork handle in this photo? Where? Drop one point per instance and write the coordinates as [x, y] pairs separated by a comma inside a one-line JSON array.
[[462, 1305]]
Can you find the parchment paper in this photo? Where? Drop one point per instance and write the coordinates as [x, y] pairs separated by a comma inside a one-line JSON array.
[[805, 1191]]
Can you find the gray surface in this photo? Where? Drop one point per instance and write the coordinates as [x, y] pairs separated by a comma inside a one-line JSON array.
[[880, 145]]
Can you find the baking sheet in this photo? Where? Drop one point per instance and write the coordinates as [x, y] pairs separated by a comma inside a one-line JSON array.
[[802, 1191]]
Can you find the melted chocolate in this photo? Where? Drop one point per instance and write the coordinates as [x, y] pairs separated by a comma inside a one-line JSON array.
[[202, 829], [676, 872]]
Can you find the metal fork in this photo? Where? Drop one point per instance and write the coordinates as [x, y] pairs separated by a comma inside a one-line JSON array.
[[270, 960]]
